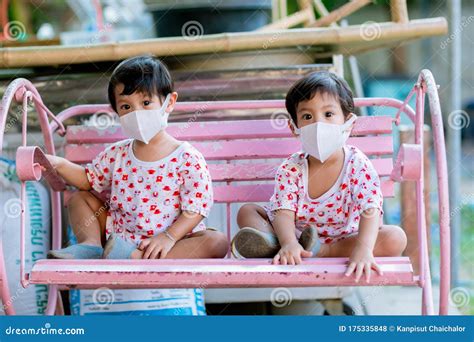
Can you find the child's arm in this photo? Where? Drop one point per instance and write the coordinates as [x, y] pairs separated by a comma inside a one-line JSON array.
[[291, 251], [160, 245], [72, 174], [362, 257]]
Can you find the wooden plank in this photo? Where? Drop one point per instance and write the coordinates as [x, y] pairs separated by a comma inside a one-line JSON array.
[[212, 273], [222, 130], [244, 149]]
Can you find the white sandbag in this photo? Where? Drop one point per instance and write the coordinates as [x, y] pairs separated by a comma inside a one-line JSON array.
[[32, 300], [138, 302]]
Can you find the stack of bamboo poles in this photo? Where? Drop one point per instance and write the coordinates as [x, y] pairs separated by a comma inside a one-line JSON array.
[[323, 33]]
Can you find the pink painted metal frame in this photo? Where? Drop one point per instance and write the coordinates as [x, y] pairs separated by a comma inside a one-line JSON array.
[[227, 272]]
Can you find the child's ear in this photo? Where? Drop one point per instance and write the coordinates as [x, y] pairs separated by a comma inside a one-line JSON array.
[[171, 104], [292, 127]]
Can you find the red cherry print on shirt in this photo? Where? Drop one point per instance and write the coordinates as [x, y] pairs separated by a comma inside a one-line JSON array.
[[122, 191], [282, 187], [290, 197], [129, 199], [206, 187], [128, 163], [155, 194], [343, 186], [174, 160], [145, 200], [319, 225], [187, 164], [311, 210], [151, 171], [131, 186], [176, 205], [134, 169], [312, 219], [329, 205], [324, 233], [360, 196], [111, 160], [106, 170], [196, 185], [147, 220], [293, 169], [328, 240], [125, 177], [339, 210], [157, 211], [197, 166], [119, 170], [140, 215], [100, 178], [159, 179], [148, 187], [112, 148], [170, 174], [159, 225], [321, 214], [368, 176], [204, 205], [176, 193], [116, 182], [153, 207], [134, 208], [198, 195], [140, 180], [150, 232], [166, 188]]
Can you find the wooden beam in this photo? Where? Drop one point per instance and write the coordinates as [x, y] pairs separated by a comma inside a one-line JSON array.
[[387, 32], [322, 10], [302, 17], [341, 12], [398, 9]]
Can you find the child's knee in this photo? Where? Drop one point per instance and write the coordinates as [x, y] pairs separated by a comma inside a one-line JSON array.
[[78, 198], [245, 212], [217, 243], [395, 240]]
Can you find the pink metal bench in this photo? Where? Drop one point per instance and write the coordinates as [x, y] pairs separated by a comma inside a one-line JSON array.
[[243, 156]]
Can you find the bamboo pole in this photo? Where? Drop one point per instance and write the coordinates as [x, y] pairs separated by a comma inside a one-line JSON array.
[[322, 10], [308, 5], [301, 17], [283, 9], [217, 43], [341, 12], [399, 11]]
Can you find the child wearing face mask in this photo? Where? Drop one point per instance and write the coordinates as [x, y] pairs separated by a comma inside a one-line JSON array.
[[160, 188], [327, 200]]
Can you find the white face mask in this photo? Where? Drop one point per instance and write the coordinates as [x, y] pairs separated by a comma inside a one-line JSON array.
[[321, 139], [143, 125]]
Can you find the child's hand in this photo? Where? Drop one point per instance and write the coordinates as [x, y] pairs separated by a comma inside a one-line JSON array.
[[362, 260], [156, 247], [291, 254], [54, 160]]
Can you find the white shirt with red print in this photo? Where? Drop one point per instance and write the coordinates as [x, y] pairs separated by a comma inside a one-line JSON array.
[[336, 213], [147, 197]]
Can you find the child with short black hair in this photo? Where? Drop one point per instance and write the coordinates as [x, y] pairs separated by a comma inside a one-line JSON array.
[[160, 188], [327, 198]]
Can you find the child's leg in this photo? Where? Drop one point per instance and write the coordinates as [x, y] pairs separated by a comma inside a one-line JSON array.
[[253, 215], [199, 245], [391, 241], [87, 215]]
